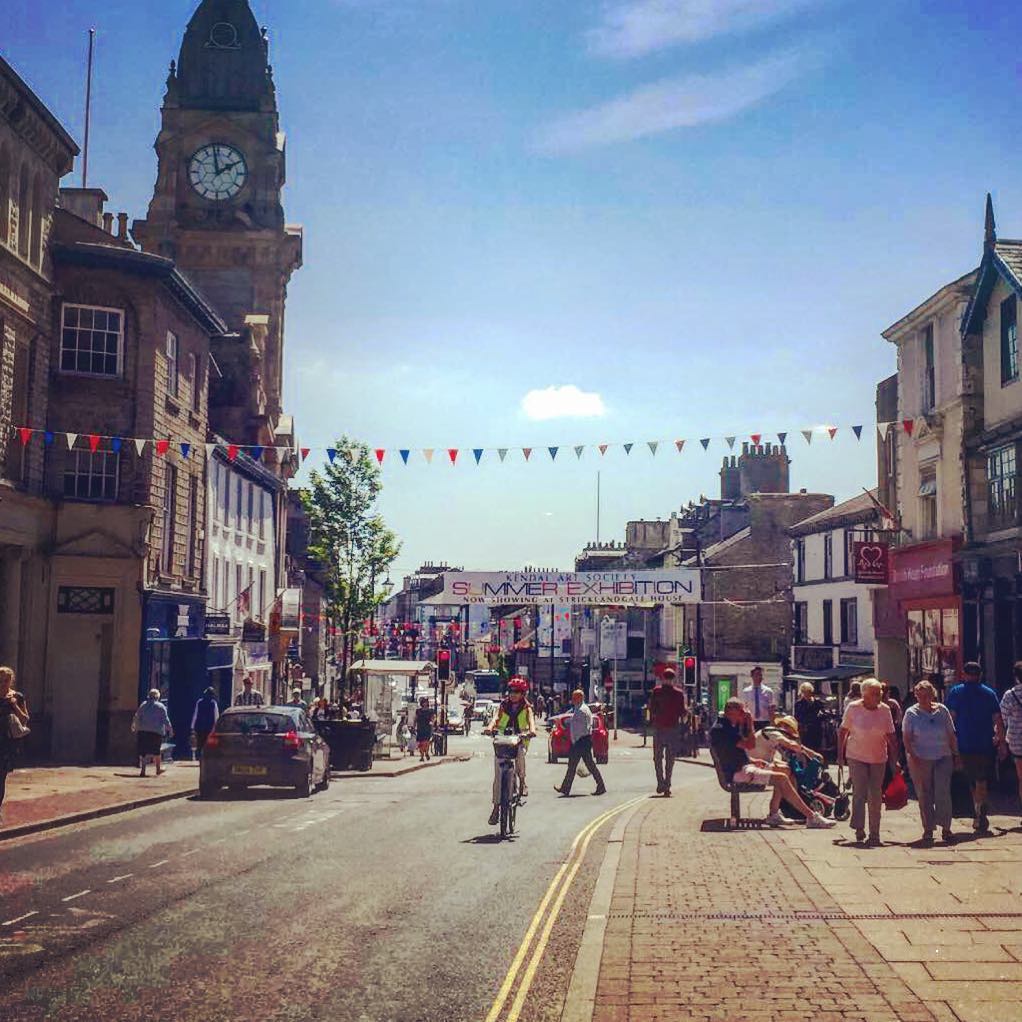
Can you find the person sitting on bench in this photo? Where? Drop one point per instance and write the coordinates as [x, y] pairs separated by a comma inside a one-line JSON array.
[[731, 738]]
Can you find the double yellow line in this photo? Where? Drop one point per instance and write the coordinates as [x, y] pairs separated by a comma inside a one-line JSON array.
[[552, 901]]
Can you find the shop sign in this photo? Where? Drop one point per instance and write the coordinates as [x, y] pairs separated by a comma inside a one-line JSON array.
[[923, 571], [872, 561], [812, 658], [253, 631], [257, 654], [218, 624], [290, 609]]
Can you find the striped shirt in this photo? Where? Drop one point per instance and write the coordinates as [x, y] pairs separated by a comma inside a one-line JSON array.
[[250, 698], [1011, 712]]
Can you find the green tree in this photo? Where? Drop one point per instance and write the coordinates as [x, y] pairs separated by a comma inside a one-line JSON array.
[[349, 537]]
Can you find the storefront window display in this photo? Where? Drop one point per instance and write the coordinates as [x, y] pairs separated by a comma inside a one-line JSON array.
[[933, 644]]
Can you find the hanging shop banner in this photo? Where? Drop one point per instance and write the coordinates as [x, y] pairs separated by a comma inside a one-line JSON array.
[[603, 588], [871, 562]]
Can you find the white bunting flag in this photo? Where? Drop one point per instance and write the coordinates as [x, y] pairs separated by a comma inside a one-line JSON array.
[[71, 440]]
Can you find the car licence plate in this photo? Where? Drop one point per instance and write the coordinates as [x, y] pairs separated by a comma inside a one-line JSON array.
[[249, 771]]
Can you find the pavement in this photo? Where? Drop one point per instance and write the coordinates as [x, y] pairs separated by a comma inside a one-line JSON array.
[[42, 798], [793, 924]]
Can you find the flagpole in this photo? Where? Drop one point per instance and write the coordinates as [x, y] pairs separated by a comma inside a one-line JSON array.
[[88, 109], [597, 507]]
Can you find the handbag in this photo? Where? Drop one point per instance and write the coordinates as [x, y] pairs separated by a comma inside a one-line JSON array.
[[15, 729], [896, 793]]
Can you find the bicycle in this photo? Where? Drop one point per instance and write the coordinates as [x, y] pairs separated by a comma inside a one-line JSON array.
[[505, 748]]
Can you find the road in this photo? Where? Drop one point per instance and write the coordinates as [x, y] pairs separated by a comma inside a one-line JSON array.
[[379, 900]]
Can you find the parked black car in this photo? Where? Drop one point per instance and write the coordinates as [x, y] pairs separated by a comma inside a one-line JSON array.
[[274, 745]]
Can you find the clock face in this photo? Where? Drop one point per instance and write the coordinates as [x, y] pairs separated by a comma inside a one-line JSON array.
[[217, 171]]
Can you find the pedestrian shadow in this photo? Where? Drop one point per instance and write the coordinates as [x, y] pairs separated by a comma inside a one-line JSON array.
[[484, 839], [251, 795], [725, 826]]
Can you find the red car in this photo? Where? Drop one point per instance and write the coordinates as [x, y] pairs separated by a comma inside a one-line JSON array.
[[559, 743]]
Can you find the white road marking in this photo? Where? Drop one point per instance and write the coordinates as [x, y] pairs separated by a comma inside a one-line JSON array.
[[240, 833], [80, 894], [194, 851], [18, 919], [123, 876], [218, 841], [162, 862]]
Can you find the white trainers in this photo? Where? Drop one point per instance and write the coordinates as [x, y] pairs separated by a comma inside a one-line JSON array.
[[775, 820], [819, 822]]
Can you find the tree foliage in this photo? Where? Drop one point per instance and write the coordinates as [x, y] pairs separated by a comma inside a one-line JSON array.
[[349, 537]]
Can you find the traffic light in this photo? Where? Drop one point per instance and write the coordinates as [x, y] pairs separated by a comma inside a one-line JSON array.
[[690, 671], [517, 630], [443, 664]]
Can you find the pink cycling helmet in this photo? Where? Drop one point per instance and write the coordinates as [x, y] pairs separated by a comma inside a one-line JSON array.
[[517, 684]]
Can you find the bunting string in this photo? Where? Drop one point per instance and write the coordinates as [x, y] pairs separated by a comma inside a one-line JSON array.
[[167, 446]]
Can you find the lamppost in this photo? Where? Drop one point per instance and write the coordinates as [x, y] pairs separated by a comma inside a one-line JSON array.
[[386, 587]]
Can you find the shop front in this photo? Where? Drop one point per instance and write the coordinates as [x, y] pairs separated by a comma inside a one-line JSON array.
[[174, 658], [925, 593]]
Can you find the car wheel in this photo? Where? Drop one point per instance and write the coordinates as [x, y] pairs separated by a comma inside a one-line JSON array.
[[304, 788]]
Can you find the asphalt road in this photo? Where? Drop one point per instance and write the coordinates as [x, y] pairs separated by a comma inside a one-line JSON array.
[[385, 900]]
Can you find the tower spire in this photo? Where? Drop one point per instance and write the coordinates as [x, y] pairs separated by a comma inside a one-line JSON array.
[[989, 227]]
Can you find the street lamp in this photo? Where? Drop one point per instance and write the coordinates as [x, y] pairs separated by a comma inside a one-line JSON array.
[[386, 587]]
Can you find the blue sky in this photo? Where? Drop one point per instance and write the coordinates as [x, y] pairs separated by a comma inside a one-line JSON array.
[[702, 211]]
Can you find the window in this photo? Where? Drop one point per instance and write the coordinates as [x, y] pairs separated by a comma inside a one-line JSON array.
[[35, 253], [237, 503], [193, 525], [929, 379], [91, 340], [928, 502], [251, 503], [227, 496], [800, 560], [237, 593], [1001, 472], [5, 191], [91, 476], [850, 622], [262, 514], [193, 366], [173, 371], [24, 212], [261, 607], [169, 502], [828, 622], [1009, 340], [828, 555], [801, 624], [216, 584], [853, 536]]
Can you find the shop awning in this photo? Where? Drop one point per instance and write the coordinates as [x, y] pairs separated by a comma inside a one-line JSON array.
[[219, 655], [408, 668], [840, 673]]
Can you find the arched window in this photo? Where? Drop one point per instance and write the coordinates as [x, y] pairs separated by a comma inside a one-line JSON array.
[[24, 212], [35, 256], [5, 191]]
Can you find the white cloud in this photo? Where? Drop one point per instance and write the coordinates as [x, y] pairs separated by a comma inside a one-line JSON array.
[[564, 402], [632, 28], [672, 103]]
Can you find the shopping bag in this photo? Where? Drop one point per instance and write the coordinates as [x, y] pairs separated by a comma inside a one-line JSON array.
[[896, 793]]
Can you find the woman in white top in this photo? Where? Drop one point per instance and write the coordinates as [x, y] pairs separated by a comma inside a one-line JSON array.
[[866, 741], [932, 749]]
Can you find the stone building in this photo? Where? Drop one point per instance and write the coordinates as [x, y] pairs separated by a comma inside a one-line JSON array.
[[125, 469], [919, 625], [35, 152], [991, 558]]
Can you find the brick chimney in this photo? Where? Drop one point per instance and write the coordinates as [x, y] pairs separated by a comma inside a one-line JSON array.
[[763, 468], [730, 479]]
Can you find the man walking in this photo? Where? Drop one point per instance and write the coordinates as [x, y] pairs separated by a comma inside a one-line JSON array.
[[758, 699], [1011, 714], [666, 710], [977, 716], [580, 727], [248, 697], [204, 718]]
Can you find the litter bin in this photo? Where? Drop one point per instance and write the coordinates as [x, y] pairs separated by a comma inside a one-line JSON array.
[[351, 743]]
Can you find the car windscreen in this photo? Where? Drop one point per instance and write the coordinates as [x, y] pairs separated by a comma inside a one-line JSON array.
[[254, 723]]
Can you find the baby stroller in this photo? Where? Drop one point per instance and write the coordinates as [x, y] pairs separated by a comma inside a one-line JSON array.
[[818, 790]]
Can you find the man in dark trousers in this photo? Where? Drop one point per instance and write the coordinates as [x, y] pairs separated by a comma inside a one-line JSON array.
[[666, 710], [580, 726]]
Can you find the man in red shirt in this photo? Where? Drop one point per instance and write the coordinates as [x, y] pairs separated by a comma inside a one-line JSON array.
[[666, 709]]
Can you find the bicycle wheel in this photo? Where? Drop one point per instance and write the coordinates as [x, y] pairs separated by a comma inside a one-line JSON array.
[[512, 814], [506, 820]]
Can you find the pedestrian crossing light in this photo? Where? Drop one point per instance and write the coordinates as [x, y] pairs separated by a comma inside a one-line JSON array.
[[443, 664]]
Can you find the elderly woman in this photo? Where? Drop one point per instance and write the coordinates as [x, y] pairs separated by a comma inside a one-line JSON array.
[[866, 741], [13, 726], [932, 747], [809, 714]]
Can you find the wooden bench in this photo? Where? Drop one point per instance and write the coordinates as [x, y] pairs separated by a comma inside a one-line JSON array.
[[736, 791]]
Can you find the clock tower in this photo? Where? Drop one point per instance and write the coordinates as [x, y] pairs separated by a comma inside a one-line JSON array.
[[217, 211]]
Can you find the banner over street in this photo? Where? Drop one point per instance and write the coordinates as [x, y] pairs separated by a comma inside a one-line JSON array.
[[581, 588]]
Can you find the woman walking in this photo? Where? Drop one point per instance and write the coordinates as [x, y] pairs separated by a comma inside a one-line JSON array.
[[423, 728], [932, 748], [150, 725], [809, 714], [13, 726], [867, 743]]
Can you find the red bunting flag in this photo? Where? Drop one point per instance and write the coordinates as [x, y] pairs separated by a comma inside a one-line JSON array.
[[162, 446], [909, 425], [680, 444], [832, 430], [232, 452], [527, 451], [380, 453], [93, 442], [603, 449], [304, 452], [452, 453], [25, 433], [756, 437]]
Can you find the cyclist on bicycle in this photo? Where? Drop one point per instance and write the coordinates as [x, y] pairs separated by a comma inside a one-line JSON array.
[[515, 715]]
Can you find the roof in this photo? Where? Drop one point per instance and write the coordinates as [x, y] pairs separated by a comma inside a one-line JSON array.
[[130, 260], [723, 545], [1002, 258], [928, 307], [40, 108], [856, 509]]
